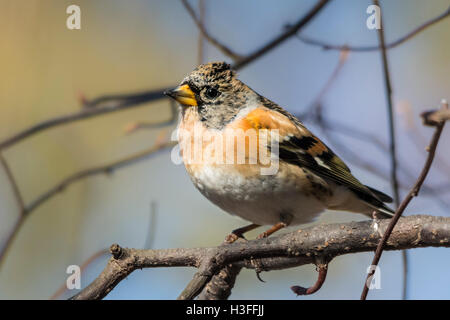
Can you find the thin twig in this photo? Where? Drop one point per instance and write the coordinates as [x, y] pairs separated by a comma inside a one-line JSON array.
[[14, 185], [224, 49], [10, 239], [416, 137], [115, 103], [412, 193], [328, 46], [20, 203], [392, 138], [103, 169]]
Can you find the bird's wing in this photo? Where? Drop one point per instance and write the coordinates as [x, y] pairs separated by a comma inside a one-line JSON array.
[[297, 145]]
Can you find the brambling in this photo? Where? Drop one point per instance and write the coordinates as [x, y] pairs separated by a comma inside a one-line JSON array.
[[309, 176]]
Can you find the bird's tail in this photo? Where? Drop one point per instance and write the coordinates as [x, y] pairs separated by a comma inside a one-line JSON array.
[[381, 195], [377, 202]]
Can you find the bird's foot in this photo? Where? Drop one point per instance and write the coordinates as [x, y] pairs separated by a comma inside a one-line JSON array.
[[232, 237]]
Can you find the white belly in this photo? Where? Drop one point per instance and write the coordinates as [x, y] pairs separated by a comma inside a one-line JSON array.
[[264, 200]]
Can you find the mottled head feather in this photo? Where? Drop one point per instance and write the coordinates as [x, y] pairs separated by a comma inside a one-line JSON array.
[[210, 74]]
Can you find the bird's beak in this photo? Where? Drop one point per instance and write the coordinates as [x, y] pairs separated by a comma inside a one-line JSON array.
[[183, 94]]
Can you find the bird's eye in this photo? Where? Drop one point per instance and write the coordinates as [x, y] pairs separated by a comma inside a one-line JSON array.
[[212, 93]]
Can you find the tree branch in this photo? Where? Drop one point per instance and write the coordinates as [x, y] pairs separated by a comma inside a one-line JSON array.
[[328, 46], [96, 107], [279, 252], [21, 204]]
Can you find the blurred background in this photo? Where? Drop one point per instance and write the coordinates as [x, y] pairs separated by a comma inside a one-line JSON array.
[[132, 46]]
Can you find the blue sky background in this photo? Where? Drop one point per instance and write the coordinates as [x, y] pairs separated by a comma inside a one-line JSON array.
[[127, 46]]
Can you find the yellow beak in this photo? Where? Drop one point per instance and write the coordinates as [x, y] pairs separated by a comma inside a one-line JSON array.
[[183, 94]]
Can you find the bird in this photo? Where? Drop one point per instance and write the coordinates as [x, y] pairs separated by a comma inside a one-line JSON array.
[[217, 111]]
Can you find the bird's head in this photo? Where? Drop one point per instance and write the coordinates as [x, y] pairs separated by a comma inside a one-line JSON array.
[[210, 84]]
